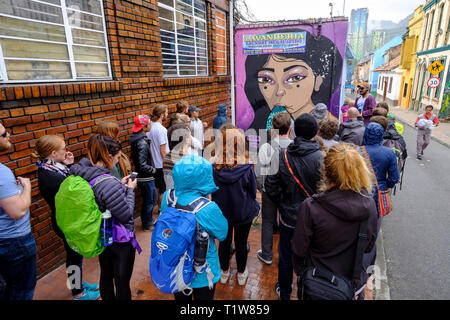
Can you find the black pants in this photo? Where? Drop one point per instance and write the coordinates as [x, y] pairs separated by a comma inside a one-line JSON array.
[[74, 259], [116, 267], [203, 293], [240, 239]]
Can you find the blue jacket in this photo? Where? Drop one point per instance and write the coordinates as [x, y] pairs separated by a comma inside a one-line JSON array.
[[236, 196], [193, 178], [383, 159], [221, 117]]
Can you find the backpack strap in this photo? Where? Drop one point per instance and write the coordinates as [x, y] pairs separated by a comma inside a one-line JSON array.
[[99, 178], [360, 247], [171, 198], [194, 207]]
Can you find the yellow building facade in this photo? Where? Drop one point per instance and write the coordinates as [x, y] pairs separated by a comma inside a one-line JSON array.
[[434, 45], [408, 56]]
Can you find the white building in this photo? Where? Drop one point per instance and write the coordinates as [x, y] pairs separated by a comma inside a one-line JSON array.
[[389, 82]]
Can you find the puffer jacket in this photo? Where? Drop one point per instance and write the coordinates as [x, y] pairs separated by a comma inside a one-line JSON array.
[[221, 118], [109, 193], [141, 156], [392, 134], [193, 178], [305, 159]]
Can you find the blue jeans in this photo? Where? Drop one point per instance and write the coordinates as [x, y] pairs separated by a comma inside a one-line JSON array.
[[285, 265], [18, 267], [149, 198]]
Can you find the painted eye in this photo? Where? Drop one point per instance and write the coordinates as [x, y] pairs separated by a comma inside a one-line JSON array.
[[264, 80], [295, 78]]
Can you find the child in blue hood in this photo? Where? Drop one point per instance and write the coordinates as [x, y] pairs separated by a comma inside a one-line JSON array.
[[236, 197], [193, 178]]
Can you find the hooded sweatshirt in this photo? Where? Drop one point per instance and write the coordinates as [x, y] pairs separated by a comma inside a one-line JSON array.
[[352, 131], [384, 161], [193, 178], [109, 193], [236, 196], [328, 227], [305, 159], [221, 117]]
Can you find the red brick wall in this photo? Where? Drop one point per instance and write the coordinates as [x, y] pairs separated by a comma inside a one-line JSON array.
[[73, 109]]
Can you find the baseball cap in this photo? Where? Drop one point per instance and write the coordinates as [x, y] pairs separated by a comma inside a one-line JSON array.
[[140, 122], [193, 108]]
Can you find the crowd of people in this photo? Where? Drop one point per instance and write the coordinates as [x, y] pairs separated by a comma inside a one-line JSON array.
[[317, 189]]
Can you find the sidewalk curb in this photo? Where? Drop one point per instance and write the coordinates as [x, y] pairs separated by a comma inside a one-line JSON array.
[[383, 293], [440, 141]]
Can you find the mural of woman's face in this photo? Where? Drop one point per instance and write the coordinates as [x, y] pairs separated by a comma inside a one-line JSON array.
[[289, 83]]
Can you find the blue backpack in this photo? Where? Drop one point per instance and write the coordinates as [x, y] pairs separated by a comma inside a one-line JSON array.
[[172, 245]]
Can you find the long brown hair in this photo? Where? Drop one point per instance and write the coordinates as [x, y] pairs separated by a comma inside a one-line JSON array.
[[232, 149], [345, 168], [45, 145], [101, 147], [108, 128]]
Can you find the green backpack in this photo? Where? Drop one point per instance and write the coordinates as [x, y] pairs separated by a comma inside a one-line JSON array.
[[78, 216]]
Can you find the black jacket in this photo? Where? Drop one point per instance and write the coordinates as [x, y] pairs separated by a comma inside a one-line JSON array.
[[352, 131], [109, 193], [236, 196], [49, 183], [327, 229], [305, 159], [141, 155]]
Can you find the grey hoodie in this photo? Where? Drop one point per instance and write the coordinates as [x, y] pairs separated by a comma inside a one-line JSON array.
[[352, 131]]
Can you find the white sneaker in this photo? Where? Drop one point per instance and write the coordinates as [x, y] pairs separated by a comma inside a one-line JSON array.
[[224, 276], [242, 277]]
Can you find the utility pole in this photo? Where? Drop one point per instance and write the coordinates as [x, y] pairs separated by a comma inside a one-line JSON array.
[[343, 10], [331, 8]]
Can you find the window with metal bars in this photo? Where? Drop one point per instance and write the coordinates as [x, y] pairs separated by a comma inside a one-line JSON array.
[[183, 37], [53, 40]]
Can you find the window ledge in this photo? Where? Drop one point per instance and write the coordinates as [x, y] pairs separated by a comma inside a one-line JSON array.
[[30, 91], [173, 82]]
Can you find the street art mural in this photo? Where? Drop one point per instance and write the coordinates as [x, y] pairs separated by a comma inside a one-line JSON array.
[[287, 69]]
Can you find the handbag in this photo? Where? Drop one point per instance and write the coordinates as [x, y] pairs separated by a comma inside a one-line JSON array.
[[384, 197], [317, 283]]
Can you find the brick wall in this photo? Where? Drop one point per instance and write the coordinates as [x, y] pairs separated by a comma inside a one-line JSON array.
[[73, 109]]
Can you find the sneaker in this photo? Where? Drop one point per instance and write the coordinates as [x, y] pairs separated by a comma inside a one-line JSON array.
[[242, 277], [88, 295], [91, 286], [150, 226], [224, 276], [419, 157], [261, 257], [277, 290]]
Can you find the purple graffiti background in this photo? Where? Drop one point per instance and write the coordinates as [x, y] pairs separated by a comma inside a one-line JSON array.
[[335, 31]]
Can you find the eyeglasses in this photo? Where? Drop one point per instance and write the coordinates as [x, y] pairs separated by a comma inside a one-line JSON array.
[[4, 134]]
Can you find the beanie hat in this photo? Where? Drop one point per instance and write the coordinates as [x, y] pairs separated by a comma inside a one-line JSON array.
[[320, 112], [140, 122], [305, 126]]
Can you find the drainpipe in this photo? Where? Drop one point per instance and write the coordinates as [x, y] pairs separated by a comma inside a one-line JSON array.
[[233, 102]]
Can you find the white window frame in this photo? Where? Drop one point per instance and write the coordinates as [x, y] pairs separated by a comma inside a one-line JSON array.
[[69, 44], [226, 34], [174, 10]]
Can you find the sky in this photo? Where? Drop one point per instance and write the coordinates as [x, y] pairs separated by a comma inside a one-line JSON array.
[[394, 10]]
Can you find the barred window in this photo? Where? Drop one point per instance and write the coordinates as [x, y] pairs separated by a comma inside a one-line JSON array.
[[221, 41], [53, 40], [183, 37]]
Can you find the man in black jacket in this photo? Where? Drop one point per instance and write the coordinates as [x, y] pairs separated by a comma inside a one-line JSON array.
[[296, 180], [143, 164], [352, 131]]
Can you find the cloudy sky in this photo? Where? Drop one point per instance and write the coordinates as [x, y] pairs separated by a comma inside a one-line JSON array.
[[270, 10]]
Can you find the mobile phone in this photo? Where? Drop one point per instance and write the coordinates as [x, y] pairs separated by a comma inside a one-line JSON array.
[[133, 176]]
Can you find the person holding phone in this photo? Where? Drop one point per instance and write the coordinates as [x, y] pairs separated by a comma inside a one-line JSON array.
[[17, 244], [53, 165]]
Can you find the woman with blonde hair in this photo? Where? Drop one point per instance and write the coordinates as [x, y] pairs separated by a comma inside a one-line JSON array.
[[235, 176], [326, 234], [111, 128], [53, 162]]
